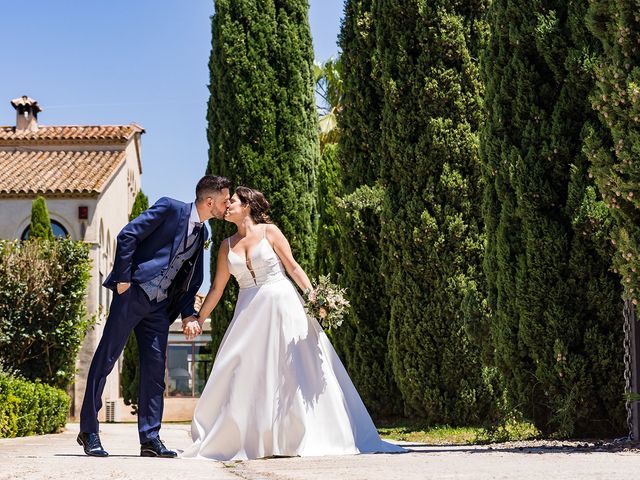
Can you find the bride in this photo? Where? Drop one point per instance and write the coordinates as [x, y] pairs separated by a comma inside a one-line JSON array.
[[277, 387]]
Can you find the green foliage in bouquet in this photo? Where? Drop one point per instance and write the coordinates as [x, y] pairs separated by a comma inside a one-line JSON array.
[[327, 303]]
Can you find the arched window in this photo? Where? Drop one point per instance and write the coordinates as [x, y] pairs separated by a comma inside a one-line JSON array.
[[58, 231]]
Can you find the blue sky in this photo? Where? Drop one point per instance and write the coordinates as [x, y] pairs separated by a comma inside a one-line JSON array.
[[122, 61]]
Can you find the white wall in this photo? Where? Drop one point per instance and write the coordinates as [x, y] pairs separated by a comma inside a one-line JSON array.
[[15, 215]]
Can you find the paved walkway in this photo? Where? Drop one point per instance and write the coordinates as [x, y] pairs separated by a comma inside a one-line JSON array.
[[59, 457]]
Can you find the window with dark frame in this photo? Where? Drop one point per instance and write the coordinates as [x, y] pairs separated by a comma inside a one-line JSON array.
[[188, 367], [58, 231]]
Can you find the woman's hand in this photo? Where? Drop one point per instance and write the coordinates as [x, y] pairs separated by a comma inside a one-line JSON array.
[[191, 327]]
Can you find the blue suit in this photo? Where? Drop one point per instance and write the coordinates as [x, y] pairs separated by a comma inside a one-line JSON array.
[[146, 246]]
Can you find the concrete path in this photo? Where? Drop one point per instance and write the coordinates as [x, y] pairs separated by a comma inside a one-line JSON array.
[[59, 457]]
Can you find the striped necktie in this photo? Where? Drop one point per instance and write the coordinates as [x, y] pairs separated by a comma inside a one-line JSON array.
[[194, 234]]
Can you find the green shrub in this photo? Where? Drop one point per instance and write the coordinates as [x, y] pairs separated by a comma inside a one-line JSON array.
[[42, 307], [30, 408]]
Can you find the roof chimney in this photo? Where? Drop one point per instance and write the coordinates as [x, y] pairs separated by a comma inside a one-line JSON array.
[[26, 113]]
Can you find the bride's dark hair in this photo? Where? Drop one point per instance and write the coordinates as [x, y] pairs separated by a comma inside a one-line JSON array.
[[256, 202]]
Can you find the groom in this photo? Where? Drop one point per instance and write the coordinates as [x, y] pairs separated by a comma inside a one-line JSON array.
[[157, 271]]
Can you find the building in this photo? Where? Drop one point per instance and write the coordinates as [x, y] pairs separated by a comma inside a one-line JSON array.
[[89, 176]]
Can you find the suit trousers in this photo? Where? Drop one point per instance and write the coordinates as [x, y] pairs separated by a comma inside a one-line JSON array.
[[129, 311]]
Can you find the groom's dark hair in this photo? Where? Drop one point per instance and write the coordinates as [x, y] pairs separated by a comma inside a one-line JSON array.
[[209, 185]]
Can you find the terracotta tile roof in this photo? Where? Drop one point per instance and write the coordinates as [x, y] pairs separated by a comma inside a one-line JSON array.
[[64, 173], [70, 134]]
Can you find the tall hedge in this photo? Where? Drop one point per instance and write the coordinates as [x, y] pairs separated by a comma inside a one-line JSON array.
[[362, 339], [130, 375], [263, 126], [432, 236], [43, 316], [614, 152], [40, 226], [555, 305]]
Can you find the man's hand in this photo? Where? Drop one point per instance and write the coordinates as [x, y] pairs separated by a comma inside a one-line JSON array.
[[191, 327], [122, 287]]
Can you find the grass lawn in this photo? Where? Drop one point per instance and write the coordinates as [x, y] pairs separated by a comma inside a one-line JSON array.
[[445, 435]]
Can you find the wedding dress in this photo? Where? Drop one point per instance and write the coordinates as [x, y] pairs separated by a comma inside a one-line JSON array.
[[277, 386]]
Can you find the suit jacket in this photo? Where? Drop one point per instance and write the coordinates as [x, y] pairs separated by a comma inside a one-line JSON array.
[[146, 246]]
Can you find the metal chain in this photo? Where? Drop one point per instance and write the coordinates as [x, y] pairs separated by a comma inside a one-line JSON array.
[[628, 314]]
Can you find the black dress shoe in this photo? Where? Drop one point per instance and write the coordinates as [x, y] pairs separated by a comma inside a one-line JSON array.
[[91, 444], [155, 448]]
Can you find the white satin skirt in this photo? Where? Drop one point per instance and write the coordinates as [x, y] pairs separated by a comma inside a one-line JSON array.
[[278, 388]]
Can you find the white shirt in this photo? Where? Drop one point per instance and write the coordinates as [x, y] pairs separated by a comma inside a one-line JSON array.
[[193, 219]]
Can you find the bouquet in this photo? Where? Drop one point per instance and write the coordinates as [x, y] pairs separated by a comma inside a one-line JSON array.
[[326, 303]]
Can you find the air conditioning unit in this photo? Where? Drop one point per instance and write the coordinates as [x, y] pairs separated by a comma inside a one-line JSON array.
[[110, 411]]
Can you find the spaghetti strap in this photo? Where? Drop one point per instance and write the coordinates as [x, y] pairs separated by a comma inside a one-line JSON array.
[[229, 242]]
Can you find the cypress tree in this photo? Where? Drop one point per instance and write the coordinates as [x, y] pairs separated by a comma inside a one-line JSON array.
[[431, 222], [140, 204], [263, 125], [613, 152], [329, 232], [362, 339], [552, 298], [40, 222], [130, 376]]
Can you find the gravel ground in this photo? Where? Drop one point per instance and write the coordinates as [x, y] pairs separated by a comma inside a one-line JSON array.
[[58, 456]]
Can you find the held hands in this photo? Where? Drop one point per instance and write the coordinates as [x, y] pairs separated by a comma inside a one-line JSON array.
[[191, 327], [122, 287]]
